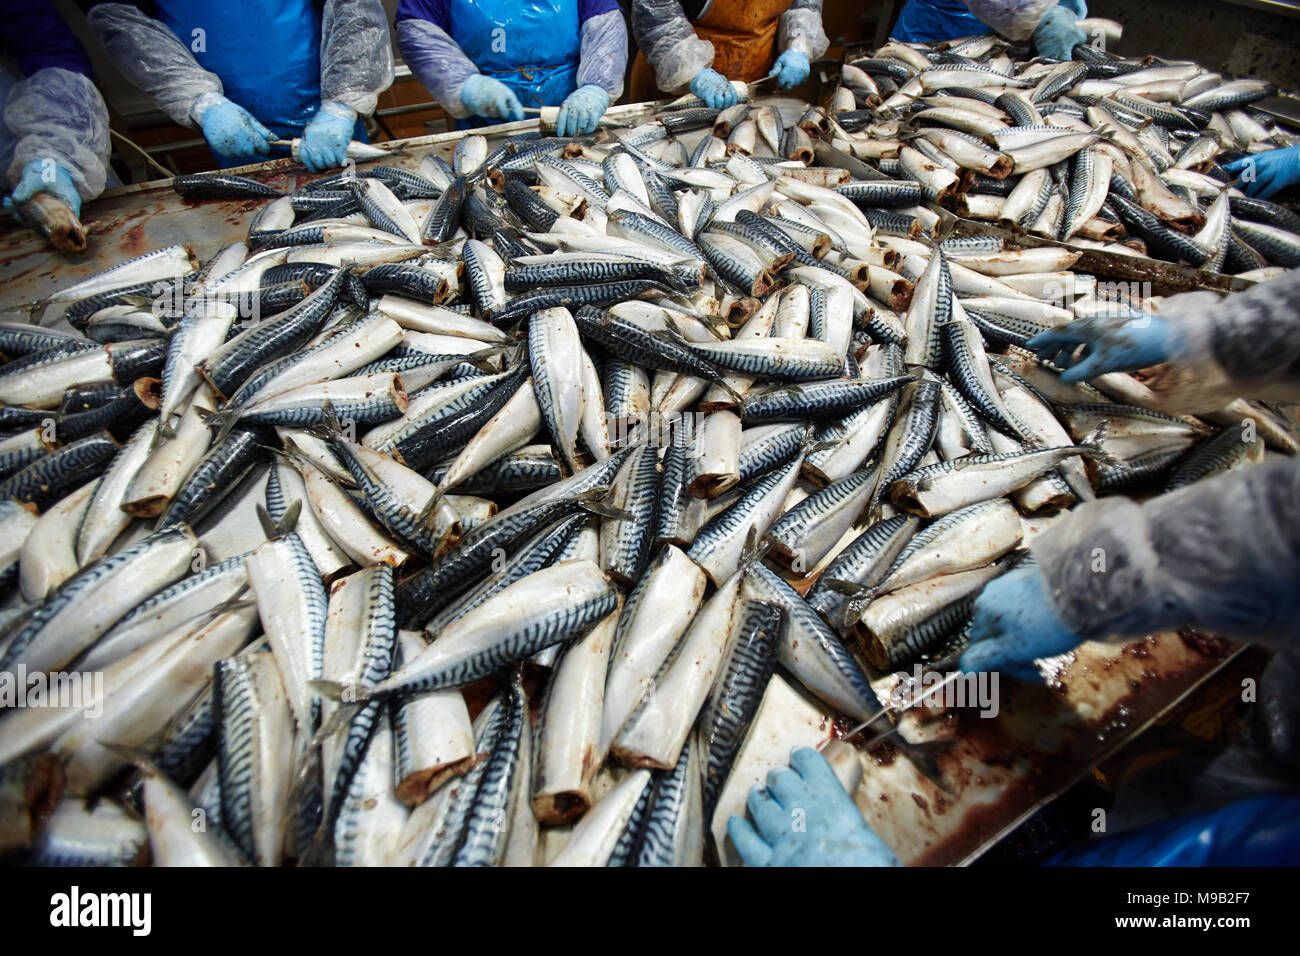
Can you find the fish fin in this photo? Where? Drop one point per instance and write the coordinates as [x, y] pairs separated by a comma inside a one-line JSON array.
[[755, 548], [597, 501], [1092, 447], [223, 421], [354, 694]]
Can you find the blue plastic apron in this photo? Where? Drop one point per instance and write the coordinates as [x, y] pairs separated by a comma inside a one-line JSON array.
[[266, 52], [532, 46], [927, 21]]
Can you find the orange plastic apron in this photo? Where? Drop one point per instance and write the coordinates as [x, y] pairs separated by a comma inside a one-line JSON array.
[[743, 34]]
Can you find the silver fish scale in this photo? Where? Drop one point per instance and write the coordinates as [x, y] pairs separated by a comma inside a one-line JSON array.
[[657, 232], [57, 468], [660, 835], [1080, 184], [593, 191], [1214, 456], [270, 338], [818, 399], [533, 555], [489, 728], [188, 737], [821, 663], [770, 452], [237, 707], [854, 563], [378, 406], [387, 507], [356, 741], [942, 526], [924, 635], [482, 841], [525, 642], [717, 531], [784, 367], [672, 490], [625, 542], [16, 460], [792, 525], [74, 587], [275, 501], [416, 424], [917, 431], [628, 839], [960, 350], [736, 695], [312, 590], [195, 581], [971, 423]]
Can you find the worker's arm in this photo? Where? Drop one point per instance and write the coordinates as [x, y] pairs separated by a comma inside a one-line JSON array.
[[1052, 25], [666, 37], [1220, 555], [801, 29], [356, 65], [602, 61], [442, 66], [604, 46], [356, 55], [1246, 345], [55, 112], [156, 61], [1263, 174], [801, 37]]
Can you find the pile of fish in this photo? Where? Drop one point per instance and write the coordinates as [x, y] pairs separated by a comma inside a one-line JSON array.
[[464, 515], [1122, 155]]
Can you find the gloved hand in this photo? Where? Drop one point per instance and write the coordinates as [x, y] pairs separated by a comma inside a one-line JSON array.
[[1136, 341], [1264, 174], [1014, 623], [714, 88], [1058, 33], [791, 69], [232, 131], [581, 110], [829, 830], [484, 96], [325, 140], [45, 176]]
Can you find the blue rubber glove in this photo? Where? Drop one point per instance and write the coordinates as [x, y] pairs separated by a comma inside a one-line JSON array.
[[791, 69], [1014, 623], [714, 88], [1058, 33], [326, 138], [46, 176], [484, 96], [804, 818], [582, 110], [1264, 174], [1110, 344], [232, 131]]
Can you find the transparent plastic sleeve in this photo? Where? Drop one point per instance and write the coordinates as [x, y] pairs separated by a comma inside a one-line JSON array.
[[153, 59], [356, 54], [1246, 345], [669, 43], [1015, 19], [437, 61], [1220, 555], [604, 53], [57, 114], [801, 29]]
